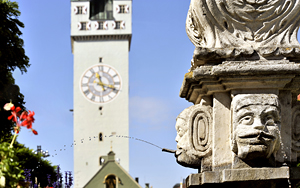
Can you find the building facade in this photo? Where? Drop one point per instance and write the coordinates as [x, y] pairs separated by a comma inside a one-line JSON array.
[[100, 37], [112, 175]]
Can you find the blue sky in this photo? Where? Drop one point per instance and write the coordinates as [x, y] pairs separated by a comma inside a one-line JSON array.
[[160, 56]]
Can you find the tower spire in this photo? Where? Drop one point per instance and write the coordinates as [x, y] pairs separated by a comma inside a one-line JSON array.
[[111, 145]]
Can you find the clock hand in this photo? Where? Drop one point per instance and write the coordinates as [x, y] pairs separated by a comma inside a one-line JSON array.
[[109, 86], [100, 82]]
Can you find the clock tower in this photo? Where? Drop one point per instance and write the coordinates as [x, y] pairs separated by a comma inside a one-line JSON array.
[[100, 37]]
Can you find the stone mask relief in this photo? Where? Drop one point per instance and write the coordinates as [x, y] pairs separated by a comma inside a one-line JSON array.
[[183, 144], [256, 124], [193, 135]]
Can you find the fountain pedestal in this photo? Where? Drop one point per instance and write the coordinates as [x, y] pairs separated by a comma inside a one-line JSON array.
[[244, 127]]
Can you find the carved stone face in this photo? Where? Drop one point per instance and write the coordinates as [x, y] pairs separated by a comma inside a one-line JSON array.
[[183, 155], [256, 122]]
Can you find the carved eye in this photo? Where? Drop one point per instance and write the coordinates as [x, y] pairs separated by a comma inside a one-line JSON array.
[[246, 120], [270, 120], [180, 132]]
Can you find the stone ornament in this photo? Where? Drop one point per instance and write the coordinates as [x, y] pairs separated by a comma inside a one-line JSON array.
[[256, 125], [296, 129], [193, 138], [232, 28]]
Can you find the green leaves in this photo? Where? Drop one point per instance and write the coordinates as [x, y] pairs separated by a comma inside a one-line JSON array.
[[12, 56], [9, 165]]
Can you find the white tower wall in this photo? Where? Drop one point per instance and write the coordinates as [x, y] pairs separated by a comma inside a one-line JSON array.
[[88, 46]]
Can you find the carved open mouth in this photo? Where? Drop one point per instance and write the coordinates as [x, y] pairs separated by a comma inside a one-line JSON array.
[[178, 151]]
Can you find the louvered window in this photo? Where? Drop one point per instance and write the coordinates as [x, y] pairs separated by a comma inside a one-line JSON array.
[[122, 8], [118, 25], [79, 10]]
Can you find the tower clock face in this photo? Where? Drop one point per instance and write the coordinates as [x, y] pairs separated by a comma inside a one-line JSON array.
[[100, 83]]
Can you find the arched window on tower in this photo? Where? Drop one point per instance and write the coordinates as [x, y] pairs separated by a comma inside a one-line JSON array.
[[110, 181], [101, 161], [100, 137]]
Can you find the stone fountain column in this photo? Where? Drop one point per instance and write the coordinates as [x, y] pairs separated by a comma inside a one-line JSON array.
[[244, 127]]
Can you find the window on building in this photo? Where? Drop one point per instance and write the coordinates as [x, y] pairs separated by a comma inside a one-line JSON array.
[[79, 9], [83, 26], [110, 181], [101, 161], [122, 8], [118, 25], [100, 137], [100, 25], [101, 10]]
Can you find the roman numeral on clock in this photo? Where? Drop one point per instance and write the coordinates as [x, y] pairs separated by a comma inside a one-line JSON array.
[[115, 91], [86, 92], [101, 99]]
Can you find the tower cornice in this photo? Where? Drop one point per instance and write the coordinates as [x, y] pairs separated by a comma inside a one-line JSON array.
[[101, 37]]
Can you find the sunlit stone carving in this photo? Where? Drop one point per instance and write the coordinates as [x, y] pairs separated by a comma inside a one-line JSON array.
[[256, 123], [193, 138], [231, 28]]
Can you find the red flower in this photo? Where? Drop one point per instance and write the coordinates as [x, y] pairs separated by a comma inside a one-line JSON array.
[[14, 114], [23, 115], [28, 119], [298, 97], [18, 109], [10, 117], [34, 131], [25, 119]]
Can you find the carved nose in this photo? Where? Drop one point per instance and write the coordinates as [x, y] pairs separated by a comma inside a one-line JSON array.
[[257, 124], [177, 138]]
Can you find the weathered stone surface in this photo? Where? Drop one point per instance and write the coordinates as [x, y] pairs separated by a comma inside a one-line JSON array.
[[245, 70], [255, 177], [222, 154], [233, 75], [231, 175], [194, 136], [183, 141], [243, 28], [256, 125]]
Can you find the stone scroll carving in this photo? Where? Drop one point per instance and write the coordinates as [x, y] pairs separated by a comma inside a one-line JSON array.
[[231, 28], [193, 138], [256, 125]]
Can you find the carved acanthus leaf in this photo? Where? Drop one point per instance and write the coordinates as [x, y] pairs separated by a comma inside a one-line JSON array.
[[243, 23]]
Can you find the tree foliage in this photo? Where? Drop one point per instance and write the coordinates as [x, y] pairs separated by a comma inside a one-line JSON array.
[[13, 162], [12, 56], [9, 165], [39, 167]]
